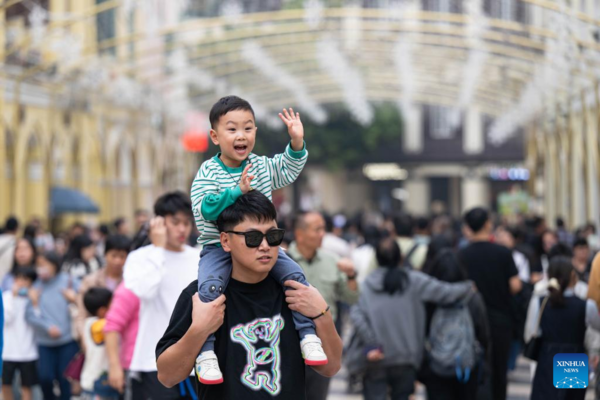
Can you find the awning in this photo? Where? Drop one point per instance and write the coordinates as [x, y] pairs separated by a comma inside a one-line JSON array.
[[66, 200]]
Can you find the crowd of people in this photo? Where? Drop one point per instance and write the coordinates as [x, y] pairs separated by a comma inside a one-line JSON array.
[[85, 315], [449, 304]]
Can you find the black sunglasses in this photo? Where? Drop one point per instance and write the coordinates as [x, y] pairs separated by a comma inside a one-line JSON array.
[[255, 238]]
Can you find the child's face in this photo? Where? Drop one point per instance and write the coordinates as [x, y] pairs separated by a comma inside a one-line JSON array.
[[115, 260], [235, 134], [21, 282]]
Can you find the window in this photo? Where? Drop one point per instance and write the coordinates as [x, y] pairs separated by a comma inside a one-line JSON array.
[[439, 118], [105, 28]]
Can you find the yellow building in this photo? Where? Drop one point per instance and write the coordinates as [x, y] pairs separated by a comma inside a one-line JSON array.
[[54, 134]]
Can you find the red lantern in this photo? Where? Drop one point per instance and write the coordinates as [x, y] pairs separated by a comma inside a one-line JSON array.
[[195, 138]]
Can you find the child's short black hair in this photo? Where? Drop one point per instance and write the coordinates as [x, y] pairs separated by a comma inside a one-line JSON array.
[[226, 104], [96, 298], [117, 242], [252, 205], [581, 242], [171, 203], [26, 273]]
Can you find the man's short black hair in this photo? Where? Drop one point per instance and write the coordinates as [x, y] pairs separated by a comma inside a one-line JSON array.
[[560, 250], [26, 273], [171, 203], [117, 242], [476, 218], [118, 222], [11, 225], [581, 242], [225, 105], [403, 224], [253, 205], [96, 298]]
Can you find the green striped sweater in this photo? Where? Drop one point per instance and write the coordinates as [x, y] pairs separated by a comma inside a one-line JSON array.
[[216, 185]]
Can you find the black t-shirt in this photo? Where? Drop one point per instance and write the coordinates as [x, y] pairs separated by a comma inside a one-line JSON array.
[[258, 346], [491, 266]]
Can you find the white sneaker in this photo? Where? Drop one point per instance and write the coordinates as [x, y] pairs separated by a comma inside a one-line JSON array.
[[312, 351], [207, 368]]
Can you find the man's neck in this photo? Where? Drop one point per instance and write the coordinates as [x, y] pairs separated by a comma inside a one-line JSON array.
[[244, 275], [305, 252], [481, 237]]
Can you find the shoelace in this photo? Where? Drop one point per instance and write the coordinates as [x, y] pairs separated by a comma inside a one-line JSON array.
[[210, 363], [310, 347]]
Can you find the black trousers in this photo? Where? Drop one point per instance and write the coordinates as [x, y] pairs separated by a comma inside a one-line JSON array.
[[442, 388], [501, 337], [399, 380], [317, 386]]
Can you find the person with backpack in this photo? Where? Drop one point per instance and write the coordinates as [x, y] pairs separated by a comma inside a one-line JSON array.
[[438, 372], [389, 322]]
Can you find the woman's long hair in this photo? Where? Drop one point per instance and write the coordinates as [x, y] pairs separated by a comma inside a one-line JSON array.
[[33, 257], [447, 267], [77, 245], [560, 273], [389, 256]]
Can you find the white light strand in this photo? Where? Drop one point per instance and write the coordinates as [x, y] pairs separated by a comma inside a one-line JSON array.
[[551, 76], [256, 55], [349, 79], [313, 13], [403, 59], [478, 24]]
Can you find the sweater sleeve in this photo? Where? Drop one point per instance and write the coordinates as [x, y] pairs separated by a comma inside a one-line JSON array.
[[359, 314], [438, 292], [122, 309], [285, 168], [208, 201], [34, 316], [144, 270]]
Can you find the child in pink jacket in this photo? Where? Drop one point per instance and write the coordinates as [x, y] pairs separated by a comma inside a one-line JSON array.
[[122, 323]]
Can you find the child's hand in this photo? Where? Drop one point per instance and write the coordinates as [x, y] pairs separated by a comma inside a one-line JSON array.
[[34, 296], [54, 332], [295, 128], [70, 295], [246, 180]]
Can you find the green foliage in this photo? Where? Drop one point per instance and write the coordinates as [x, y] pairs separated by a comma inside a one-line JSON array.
[[341, 142]]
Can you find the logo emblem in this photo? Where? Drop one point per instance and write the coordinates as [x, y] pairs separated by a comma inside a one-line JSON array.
[[571, 371]]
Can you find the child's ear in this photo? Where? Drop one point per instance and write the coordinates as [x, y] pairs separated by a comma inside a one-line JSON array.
[[225, 242], [213, 137]]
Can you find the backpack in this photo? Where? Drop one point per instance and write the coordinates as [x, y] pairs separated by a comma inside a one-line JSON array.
[[452, 347]]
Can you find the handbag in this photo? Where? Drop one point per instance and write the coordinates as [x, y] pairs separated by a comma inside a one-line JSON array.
[[75, 366], [534, 346]]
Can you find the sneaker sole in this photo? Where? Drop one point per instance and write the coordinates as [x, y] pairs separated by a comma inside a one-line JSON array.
[[210, 382], [316, 362]]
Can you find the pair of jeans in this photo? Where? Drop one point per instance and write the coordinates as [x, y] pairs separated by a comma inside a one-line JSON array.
[[399, 379], [53, 362], [214, 271]]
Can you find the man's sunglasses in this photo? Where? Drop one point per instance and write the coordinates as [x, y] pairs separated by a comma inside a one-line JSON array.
[[255, 238]]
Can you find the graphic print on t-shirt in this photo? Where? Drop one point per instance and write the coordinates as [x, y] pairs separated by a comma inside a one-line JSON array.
[[266, 331]]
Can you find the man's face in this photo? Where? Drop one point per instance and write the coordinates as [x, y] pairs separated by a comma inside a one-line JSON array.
[[311, 236], [548, 241], [581, 253], [115, 260], [178, 227], [235, 134], [257, 260]]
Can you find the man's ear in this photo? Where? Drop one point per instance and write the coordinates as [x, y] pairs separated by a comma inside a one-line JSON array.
[[225, 242], [213, 137]]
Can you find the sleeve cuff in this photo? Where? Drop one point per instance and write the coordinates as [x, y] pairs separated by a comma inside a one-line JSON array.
[[236, 192], [296, 154]]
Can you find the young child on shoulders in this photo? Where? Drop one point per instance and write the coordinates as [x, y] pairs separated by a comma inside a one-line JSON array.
[[235, 170]]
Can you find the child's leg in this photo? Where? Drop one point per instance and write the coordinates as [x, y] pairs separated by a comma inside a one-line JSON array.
[[214, 270], [286, 269], [25, 393], [7, 393]]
